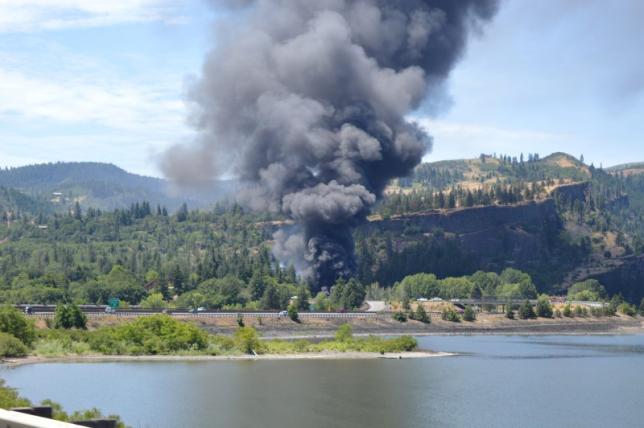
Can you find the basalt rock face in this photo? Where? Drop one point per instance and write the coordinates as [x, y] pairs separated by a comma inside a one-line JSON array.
[[572, 192], [477, 219], [524, 236], [626, 279]]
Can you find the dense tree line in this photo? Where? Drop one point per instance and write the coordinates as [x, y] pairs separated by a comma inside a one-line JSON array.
[[221, 258], [510, 284], [92, 256]]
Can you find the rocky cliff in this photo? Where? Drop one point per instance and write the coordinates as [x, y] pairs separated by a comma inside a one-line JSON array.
[[526, 236]]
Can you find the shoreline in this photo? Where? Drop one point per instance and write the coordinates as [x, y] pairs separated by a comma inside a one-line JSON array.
[[485, 325], [34, 359], [323, 336], [461, 330]]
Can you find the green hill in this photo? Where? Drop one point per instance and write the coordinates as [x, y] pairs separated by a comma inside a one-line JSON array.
[[636, 168], [555, 218], [489, 170], [13, 203], [100, 185]]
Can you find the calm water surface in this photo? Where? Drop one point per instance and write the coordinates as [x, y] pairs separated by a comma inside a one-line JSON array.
[[497, 381]]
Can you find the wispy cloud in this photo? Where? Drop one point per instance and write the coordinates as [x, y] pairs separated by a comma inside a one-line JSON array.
[[108, 102], [466, 140], [478, 132], [39, 15], [63, 105]]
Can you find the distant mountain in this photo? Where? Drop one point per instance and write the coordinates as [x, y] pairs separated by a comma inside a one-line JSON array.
[[13, 202], [104, 186], [627, 169]]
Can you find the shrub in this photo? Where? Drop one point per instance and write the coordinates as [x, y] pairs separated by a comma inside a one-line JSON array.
[[613, 304], [578, 311], [469, 314], [69, 316], [9, 398], [80, 416], [451, 315], [421, 315], [509, 313], [13, 322], [609, 310], [557, 313], [642, 307], [544, 308], [11, 347], [400, 316], [627, 309], [219, 345], [154, 301], [293, 314], [240, 320], [156, 334], [247, 341], [567, 311], [344, 333], [399, 344], [526, 311]]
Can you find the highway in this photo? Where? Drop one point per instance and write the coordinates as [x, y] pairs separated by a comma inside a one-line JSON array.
[[100, 311], [374, 309]]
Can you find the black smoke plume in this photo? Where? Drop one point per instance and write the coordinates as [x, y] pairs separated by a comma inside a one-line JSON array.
[[306, 100]]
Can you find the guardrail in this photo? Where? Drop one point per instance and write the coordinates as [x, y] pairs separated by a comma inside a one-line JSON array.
[[230, 315]]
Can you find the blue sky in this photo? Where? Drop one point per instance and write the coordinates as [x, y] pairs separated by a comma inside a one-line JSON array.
[[105, 81]]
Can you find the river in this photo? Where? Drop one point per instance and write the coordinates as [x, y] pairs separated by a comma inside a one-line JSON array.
[[495, 381]]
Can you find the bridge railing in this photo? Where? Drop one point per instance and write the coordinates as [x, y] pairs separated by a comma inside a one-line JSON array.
[[10, 419]]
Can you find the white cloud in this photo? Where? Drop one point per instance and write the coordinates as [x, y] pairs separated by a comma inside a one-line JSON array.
[[38, 15]]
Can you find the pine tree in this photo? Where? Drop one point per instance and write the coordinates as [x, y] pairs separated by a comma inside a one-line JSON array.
[[526, 311]]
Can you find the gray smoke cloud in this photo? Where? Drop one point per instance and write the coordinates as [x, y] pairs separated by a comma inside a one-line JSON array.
[[307, 100]]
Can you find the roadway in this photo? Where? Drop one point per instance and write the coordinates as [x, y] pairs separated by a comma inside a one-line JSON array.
[[100, 311]]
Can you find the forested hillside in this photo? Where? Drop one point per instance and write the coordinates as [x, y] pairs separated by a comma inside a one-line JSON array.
[[555, 218], [14, 204], [103, 186], [601, 214]]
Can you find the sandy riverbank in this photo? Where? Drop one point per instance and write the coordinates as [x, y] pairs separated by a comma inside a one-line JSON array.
[[187, 358], [385, 326]]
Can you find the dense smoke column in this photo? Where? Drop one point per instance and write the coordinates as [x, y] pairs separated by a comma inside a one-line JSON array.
[[306, 101]]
